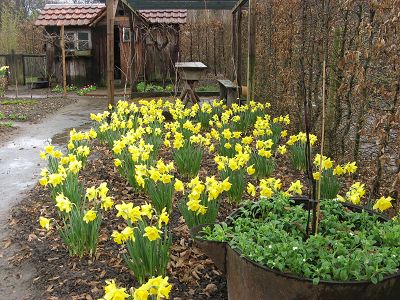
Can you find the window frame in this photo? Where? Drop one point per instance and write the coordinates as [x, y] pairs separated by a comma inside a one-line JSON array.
[[75, 33], [124, 31]]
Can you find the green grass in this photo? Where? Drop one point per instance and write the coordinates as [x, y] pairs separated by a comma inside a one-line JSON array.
[[17, 117], [18, 102], [6, 125], [31, 79], [207, 88], [14, 117]]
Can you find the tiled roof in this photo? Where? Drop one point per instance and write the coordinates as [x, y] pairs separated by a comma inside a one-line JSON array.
[[171, 16], [84, 14], [68, 14]]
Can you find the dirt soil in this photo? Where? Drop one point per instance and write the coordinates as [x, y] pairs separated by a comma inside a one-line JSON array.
[[30, 110], [59, 276]]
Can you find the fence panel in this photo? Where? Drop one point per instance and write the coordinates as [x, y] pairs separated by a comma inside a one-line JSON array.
[[34, 68]]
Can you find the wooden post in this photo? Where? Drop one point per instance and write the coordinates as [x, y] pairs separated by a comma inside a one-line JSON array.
[[111, 8], [234, 44], [64, 69], [133, 53], [251, 59], [239, 47]]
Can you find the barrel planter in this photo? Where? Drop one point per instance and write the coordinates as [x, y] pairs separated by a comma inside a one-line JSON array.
[[249, 280]]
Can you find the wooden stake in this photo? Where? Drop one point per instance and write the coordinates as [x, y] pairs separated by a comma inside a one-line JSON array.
[[251, 59], [322, 146], [111, 8], [64, 69]]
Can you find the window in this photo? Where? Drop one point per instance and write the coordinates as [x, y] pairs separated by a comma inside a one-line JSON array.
[[78, 40], [126, 34]]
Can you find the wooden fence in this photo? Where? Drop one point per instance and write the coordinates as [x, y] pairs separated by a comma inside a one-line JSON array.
[[24, 68]]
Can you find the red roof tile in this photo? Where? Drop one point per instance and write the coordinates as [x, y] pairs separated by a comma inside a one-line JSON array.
[[84, 14], [171, 16], [68, 14]]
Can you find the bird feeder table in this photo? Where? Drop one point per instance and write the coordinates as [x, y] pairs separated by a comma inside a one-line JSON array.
[[190, 73]]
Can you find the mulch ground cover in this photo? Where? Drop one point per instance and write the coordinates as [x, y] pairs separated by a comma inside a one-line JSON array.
[[193, 275], [28, 111], [59, 276]]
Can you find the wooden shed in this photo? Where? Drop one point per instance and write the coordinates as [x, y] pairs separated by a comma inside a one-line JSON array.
[[146, 39]]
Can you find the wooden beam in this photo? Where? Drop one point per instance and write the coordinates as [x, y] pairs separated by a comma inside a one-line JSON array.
[[239, 5], [181, 4], [132, 60], [239, 47], [251, 58], [111, 9], [64, 69]]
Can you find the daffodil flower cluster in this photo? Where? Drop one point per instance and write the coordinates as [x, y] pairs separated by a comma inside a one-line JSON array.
[[201, 202], [154, 289], [329, 182], [158, 183], [79, 213], [145, 238], [355, 193], [297, 149], [235, 169]]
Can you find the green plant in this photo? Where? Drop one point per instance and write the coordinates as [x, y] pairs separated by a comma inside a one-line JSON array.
[[187, 155], [18, 102], [6, 124], [159, 184], [350, 245], [201, 204], [146, 240], [297, 149], [233, 169], [80, 236], [17, 117], [85, 90]]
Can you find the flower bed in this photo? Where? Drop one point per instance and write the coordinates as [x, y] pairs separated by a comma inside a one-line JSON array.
[[162, 162]]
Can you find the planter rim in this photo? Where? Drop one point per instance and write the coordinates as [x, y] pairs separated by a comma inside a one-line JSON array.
[[296, 277]]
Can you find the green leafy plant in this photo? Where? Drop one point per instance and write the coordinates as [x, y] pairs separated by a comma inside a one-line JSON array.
[[201, 204], [146, 240], [264, 232]]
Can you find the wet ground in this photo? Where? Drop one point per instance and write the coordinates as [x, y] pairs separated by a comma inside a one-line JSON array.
[[19, 169]]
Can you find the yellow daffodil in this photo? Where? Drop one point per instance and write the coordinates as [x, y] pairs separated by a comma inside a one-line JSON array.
[[251, 170], [117, 162], [164, 217], [44, 223], [316, 176], [251, 189], [107, 203], [296, 187], [63, 203], [178, 186], [383, 203], [49, 149], [282, 149], [152, 233], [112, 292], [91, 193], [90, 216], [146, 210], [43, 155]]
